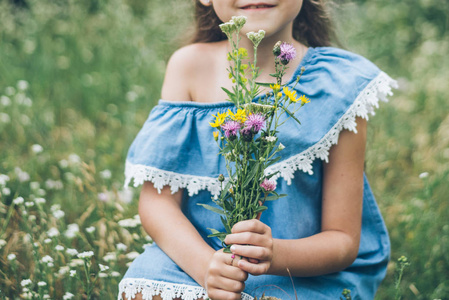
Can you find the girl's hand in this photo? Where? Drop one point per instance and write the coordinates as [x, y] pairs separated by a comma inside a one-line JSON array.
[[224, 280], [252, 239]]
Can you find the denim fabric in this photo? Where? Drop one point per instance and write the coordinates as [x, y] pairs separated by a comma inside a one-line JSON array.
[[177, 138]]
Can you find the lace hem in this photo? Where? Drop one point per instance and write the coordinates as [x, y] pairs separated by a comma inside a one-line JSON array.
[[365, 103], [167, 291]]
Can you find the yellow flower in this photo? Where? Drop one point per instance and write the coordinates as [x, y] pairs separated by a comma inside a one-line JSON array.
[[219, 119], [243, 53], [275, 87], [239, 116], [279, 95], [304, 99], [290, 94], [216, 133]]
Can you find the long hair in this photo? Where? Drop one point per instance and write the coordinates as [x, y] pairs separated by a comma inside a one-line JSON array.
[[312, 27]]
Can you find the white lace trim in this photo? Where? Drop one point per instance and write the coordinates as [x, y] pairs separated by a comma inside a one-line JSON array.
[[365, 103], [166, 290]]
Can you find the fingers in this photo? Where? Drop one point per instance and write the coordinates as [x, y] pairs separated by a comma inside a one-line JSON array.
[[253, 225], [253, 253], [254, 269]]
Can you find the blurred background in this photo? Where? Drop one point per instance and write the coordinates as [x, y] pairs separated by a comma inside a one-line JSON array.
[[77, 81]]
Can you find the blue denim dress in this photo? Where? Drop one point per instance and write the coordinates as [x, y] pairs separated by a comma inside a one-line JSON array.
[[176, 147]]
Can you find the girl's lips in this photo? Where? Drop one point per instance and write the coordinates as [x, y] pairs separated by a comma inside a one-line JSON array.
[[260, 6]]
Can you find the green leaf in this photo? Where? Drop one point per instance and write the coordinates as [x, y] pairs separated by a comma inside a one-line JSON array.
[[264, 84], [260, 209], [251, 174], [211, 208], [228, 229], [275, 197]]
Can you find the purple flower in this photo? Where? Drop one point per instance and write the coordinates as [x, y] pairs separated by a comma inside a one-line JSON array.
[[255, 122], [268, 185], [288, 53], [231, 128]]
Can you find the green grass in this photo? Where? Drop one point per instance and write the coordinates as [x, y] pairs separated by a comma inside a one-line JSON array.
[[94, 70]]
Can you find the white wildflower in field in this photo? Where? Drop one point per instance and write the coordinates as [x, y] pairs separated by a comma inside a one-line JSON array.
[[121, 247], [105, 174], [5, 101], [58, 214], [36, 148], [72, 230], [71, 251], [6, 191], [132, 255], [69, 176], [86, 254], [126, 196], [54, 184], [103, 267], [55, 207], [76, 262], [26, 282], [3, 179], [64, 270], [31, 218], [5, 118], [10, 91], [74, 159], [131, 96], [281, 147], [148, 238], [102, 275], [21, 175], [11, 257], [39, 200], [34, 185], [47, 259], [47, 241], [59, 248], [72, 273], [90, 229], [41, 192], [25, 120], [110, 256], [130, 223], [63, 163], [18, 200], [29, 203], [424, 175], [22, 85], [27, 102], [41, 283], [2, 243], [46, 296], [68, 296], [27, 295], [115, 274]]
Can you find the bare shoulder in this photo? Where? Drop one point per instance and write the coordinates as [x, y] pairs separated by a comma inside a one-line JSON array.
[[185, 69]]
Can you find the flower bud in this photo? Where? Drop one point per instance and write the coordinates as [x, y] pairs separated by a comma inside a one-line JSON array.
[[221, 178], [277, 48]]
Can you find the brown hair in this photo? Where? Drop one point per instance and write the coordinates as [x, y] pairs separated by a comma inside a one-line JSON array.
[[312, 27]]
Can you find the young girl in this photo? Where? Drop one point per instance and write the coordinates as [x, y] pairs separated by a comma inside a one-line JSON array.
[[328, 233]]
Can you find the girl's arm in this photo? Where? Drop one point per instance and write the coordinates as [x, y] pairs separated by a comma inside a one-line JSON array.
[[336, 246], [163, 220]]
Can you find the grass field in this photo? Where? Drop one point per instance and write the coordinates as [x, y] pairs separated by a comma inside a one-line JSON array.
[[78, 79]]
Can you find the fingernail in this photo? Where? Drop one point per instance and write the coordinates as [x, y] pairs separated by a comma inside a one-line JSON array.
[[232, 256], [232, 248]]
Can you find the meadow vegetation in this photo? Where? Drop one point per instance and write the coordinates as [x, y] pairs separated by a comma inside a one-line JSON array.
[[77, 81]]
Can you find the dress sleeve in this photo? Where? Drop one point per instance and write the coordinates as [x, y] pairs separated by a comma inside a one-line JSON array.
[[341, 86], [175, 147]]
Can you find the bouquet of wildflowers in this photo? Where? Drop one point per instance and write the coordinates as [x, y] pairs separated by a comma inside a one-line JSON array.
[[248, 137]]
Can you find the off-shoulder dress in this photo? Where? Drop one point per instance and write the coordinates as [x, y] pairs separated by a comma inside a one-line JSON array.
[[176, 147]]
